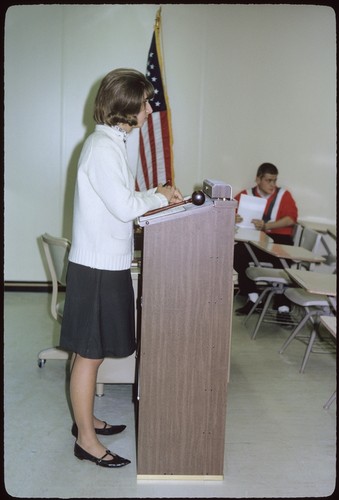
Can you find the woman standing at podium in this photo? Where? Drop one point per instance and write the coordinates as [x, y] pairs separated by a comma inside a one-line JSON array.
[[98, 319]]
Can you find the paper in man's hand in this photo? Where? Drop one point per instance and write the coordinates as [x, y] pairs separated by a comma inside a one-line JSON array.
[[250, 207]]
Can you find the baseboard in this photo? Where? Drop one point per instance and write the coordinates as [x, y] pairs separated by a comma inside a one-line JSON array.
[[28, 286], [42, 286]]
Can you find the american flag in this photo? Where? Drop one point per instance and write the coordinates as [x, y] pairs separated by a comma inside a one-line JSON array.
[[155, 161]]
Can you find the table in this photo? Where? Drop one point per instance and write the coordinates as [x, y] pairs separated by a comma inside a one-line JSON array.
[[322, 284], [330, 322], [288, 252], [332, 231], [318, 283], [324, 229], [247, 235], [320, 227]]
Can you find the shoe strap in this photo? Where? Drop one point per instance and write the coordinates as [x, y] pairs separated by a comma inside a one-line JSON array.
[[108, 452]]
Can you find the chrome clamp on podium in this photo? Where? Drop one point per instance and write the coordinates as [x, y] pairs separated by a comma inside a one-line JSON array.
[[217, 189]]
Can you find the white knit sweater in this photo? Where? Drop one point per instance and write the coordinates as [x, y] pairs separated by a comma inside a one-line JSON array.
[[106, 203]]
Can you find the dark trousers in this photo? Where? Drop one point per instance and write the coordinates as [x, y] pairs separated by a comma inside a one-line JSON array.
[[242, 259]]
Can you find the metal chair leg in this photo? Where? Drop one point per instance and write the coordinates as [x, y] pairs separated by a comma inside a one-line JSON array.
[[294, 333], [255, 305], [330, 401], [263, 312], [308, 350]]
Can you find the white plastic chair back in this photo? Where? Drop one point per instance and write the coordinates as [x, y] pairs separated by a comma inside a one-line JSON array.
[[297, 232], [310, 240], [56, 252]]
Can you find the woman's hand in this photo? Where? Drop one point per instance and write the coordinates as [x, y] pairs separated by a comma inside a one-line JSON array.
[[172, 193]]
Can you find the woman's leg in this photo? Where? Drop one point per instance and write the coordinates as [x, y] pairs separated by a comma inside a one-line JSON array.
[[82, 392], [98, 424]]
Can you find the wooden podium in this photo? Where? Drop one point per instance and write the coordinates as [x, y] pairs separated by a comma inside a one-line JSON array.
[[187, 293]]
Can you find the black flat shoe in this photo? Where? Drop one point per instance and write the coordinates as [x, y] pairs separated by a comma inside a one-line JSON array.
[[115, 462], [105, 431]]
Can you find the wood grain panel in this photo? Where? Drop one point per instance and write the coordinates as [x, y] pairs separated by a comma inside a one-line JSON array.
[[185, 333]]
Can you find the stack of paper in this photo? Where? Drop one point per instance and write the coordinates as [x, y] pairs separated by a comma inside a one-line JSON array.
[[250, 207]]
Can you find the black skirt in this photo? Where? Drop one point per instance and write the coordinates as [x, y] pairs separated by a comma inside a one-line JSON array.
[[99, 313]]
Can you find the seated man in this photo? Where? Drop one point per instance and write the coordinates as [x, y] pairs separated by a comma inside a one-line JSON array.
[[280, 216]]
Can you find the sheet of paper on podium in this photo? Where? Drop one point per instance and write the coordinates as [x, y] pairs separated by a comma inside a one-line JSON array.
[[250, 207], [169, 210]]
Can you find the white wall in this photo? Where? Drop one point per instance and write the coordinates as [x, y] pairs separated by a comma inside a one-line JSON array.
[[246, 83]]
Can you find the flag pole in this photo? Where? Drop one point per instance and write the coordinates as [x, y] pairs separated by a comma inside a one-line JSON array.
[[158, 39], [157, 19]]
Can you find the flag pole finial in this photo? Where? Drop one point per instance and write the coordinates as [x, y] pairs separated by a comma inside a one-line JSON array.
[[158, 19]]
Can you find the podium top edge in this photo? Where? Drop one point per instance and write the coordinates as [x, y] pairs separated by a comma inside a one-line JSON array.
[[186, 211]]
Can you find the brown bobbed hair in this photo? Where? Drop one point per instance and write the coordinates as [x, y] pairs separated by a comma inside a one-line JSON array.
[[120, 97]]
